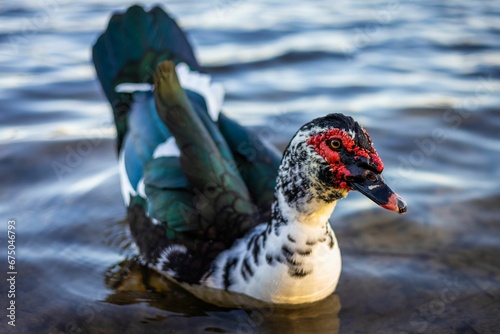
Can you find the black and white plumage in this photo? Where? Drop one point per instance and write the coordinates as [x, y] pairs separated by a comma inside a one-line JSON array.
[[209, 205]]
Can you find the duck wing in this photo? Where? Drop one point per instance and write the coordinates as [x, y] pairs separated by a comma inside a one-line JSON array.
[[258, 162], [194, 181], [224, 204]]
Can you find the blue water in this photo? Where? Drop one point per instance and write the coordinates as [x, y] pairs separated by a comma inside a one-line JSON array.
[[422, 77]]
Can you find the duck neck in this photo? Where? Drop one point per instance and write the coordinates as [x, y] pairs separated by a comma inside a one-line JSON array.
[[301, 195], [306, 211]]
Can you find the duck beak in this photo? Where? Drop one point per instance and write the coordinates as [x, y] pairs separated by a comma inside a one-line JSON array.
[[373, 186]]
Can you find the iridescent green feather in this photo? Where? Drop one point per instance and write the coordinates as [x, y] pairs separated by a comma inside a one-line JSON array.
[[213, 175], [257, 161], [134, 43]]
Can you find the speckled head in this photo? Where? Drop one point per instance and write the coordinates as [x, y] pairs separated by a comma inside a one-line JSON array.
[[336, 155]]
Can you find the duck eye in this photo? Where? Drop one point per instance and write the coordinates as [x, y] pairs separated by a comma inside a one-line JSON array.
[[371, 177], [335, 144]]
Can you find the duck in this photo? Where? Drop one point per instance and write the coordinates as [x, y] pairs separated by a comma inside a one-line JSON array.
[[210, 204]]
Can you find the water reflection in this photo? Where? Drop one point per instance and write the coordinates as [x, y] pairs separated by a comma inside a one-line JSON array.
[[135, 284]]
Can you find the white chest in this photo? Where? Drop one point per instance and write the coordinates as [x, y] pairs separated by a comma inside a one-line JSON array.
[[296, 264]]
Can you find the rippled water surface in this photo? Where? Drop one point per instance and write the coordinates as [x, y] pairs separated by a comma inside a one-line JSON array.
[[422, 77]]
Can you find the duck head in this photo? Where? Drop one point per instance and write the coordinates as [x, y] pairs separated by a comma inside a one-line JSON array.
[[333, 155]]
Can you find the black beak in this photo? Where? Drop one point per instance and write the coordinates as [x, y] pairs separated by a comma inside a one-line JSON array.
[[373, 186]]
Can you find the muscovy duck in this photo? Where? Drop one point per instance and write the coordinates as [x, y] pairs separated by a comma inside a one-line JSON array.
[[209, 203]]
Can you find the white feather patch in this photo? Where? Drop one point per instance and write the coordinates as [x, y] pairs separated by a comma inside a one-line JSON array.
[[165, 255], [194, 81], [128, 87], [167, 149], [127, 189], [155, 221], [141, 188], [200, 83]]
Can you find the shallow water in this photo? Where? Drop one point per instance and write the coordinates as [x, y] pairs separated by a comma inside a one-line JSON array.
[[423, 78]]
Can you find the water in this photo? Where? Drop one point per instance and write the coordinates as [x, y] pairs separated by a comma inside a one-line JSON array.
[[423, 78]]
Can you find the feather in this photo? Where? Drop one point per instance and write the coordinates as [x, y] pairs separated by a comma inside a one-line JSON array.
[[206, 160], [133, 44], [257, 161], [190, 180]]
